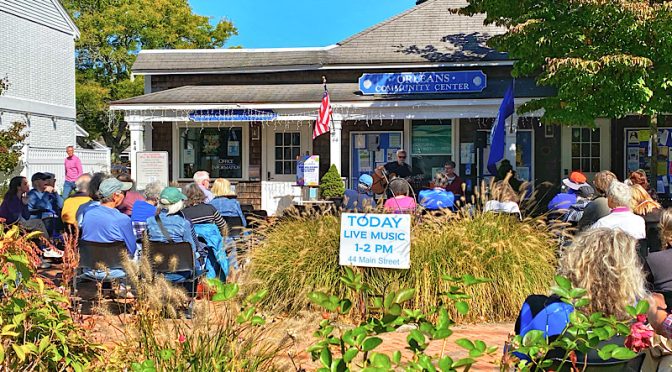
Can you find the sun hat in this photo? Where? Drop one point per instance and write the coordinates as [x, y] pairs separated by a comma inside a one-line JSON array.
[[366, 180], [171, 195], [111, 186], [575, 180]]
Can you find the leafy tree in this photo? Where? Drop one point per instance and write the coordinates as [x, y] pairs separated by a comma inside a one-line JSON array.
[[331, 185], [606, 58], [112, 33]]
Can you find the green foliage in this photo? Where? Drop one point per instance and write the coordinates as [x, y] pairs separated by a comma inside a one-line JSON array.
[[4, 85], [519, 256], [38, 332], [605, 58], [11, 141], [331, 184], [112, 34], [583, 333], [346, 349]]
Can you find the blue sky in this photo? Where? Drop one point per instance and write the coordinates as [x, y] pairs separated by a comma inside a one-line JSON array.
[[298, 23]]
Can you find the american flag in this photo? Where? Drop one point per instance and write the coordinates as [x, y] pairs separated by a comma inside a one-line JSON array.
[[323, 116]]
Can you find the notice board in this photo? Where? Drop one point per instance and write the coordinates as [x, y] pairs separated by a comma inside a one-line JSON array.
[[151, 166]]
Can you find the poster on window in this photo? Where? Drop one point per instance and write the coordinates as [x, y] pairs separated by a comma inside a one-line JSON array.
[[233, 148], [638, 154]]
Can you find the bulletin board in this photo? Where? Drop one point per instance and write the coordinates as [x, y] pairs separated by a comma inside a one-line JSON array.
[[637, 154], [368, 150]]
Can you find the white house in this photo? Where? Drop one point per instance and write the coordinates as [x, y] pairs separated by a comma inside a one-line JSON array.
[[37, 55]]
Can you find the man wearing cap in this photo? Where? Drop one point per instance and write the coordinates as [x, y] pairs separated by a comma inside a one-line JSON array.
[[359, 199], [437, 198], [104, 223], [566, 199], [43, 200]]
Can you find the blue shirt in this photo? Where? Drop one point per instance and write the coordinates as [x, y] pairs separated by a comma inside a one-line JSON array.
[[436, 198], [228, 208], [179, 229], [562, 201], [142, 211], [107, 225], [357, 201], [49, 203], [81, 211]]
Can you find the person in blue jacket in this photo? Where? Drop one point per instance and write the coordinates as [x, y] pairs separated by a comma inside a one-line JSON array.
[[360, 199], [437, 197]]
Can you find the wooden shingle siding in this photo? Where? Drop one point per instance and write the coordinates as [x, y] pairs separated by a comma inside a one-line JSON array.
[[45, 12]]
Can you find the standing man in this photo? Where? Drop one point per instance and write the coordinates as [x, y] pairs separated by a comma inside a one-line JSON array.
[[453, 182], [73, 169], [202, 179]]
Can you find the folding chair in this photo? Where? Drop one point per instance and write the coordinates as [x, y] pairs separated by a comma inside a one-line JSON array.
[[172, 258], [235, 225], [93, 256], [246, 208]]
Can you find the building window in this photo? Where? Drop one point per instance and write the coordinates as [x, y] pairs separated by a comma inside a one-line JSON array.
[[215, 150], [287, 150], [431, 146], [586, 149]]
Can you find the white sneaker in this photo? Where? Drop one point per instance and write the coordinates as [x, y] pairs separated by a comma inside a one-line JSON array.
[[52, 253]]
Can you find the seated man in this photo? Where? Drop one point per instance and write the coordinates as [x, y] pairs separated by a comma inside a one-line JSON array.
[[453, 182], [144, 209], [170, 226], [437, 198], [44, 202], [96, 180], [72, 204], [360, 199], [105, 224]]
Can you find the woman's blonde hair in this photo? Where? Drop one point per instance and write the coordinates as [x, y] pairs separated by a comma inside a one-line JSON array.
[[642, 203], [605, 263], [222, 187], [666, 228]]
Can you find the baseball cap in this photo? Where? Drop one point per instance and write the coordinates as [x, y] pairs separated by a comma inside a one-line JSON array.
[[575, 180], [366, 179], [111, 186], [38, 176], [49, 176], [585, 191], [171, 195]]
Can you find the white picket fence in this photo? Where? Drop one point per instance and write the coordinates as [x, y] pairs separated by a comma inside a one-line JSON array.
[[51, 160]]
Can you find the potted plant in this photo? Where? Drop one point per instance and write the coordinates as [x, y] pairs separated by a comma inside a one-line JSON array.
[[331, 186]]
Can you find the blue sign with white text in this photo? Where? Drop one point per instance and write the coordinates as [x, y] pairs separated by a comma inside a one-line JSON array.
[[232, 115], [423, 82]]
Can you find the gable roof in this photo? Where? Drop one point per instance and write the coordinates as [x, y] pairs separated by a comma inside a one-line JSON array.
[[426, 33], [49, 13]]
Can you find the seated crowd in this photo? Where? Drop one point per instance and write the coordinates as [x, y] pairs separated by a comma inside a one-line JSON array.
[[107, 209]]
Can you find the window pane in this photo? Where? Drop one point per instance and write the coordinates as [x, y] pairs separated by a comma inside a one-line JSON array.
[[576, 164], [287, 153], [576, 134], [278, 139], [431, 139], [288, 167], [595, 165], [576, 150], [585, 150], [595, 150], [296, 139], [295, 152], [293, 167], [278, 167], [585, 135], [288, 139], [596, 135], [585, 164], [278, 152]]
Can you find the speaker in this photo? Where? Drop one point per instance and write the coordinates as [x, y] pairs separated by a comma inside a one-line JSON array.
[[481, 140]]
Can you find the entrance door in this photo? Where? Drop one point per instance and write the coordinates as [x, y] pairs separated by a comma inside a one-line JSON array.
[[586, 149], [368, 150], [524, 156]]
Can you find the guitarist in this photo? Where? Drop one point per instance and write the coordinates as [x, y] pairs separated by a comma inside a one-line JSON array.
[[391, 170]]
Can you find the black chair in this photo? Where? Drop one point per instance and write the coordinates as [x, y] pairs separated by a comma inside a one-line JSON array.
[[246, 208], [174, 257], [235, 225], [254, 216], [95, 256]]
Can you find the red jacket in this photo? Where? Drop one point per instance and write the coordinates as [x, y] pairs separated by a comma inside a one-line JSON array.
[[456, 186]]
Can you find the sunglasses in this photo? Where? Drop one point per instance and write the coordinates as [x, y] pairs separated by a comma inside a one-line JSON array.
[[401, 157]]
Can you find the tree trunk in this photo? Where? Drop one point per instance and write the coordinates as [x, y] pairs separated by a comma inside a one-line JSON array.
[[653, 125]]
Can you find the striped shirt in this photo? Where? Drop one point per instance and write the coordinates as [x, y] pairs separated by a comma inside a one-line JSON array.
[[204, 213]]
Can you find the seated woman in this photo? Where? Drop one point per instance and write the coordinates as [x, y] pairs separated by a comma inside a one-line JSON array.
[[643, 205], [504, 199], [169, 225], [211, 227], [225, 201], [602, 261], [437, 197], [400, 202], [143, 209], [658, 264]]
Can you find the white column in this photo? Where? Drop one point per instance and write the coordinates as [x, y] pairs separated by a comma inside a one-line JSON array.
[[510, 140], [148, 136], [137, 144], [335, 143]]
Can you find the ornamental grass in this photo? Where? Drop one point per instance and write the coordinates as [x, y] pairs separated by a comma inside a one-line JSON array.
[[300, 254]]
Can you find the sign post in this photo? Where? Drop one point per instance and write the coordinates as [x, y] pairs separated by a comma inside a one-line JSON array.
[[151, 166], [375, 240]]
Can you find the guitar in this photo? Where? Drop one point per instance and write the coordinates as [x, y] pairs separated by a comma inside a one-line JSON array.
[[380, 181]]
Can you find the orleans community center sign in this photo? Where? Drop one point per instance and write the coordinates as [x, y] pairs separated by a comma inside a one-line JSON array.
[[375, 240], [423, 82]]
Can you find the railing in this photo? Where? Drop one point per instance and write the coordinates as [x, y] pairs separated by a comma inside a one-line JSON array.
[[51, 160]]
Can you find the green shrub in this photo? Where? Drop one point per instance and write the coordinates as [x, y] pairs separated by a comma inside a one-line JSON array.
[[331, 184], [300, 255]]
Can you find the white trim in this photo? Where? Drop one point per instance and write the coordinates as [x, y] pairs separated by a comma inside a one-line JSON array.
[[73, 31], [28, 106], [237, 50], [80, 132], [314, 67], [244, 146]]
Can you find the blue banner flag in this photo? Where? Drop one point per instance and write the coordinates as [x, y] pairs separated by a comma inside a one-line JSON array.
[[506, 109]]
